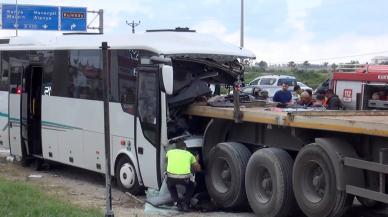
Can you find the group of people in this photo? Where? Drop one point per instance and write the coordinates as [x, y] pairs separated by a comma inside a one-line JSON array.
[[324, 98]]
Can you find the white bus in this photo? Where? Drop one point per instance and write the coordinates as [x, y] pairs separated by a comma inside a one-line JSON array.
[[51, 96]]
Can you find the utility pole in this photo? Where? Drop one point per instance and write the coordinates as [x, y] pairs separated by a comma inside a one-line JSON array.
[[242, 25], [133, 25]]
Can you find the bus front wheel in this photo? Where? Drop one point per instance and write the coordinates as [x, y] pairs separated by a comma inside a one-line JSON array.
[[126, 176]]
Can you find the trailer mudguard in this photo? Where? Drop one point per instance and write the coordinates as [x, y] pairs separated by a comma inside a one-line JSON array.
[[337, 149]]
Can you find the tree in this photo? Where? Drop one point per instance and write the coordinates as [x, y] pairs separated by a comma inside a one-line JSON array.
[[353, 62], [384, 63], [325, 64], [334, 66], [262, 65], [291, 64], [306, 64]]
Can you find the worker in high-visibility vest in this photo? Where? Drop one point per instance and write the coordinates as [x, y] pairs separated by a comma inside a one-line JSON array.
[[180, 164]]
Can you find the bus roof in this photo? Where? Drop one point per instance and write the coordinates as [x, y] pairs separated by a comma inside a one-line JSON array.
[[165, 43]]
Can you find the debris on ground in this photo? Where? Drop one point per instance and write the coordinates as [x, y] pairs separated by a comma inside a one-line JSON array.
[[135, 198], [10, 159], [34, 176]]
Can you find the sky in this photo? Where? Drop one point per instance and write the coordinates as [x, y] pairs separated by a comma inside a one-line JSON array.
[[277, 31]]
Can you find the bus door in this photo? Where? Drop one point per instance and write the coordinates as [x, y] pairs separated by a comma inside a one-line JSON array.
[[15, 89], [148, 120], [31, 101]]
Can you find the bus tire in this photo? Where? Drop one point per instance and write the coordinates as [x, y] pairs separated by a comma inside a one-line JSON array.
[[225, 178], [268, 183], [314, 184], [126, 176]]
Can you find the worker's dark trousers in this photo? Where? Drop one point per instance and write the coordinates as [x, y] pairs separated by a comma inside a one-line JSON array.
[[189, 186]]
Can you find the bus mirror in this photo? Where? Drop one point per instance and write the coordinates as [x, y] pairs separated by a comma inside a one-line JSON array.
[[168, 79]]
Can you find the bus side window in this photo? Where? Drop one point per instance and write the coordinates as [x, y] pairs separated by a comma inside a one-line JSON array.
[[123, 78], [128, 98]]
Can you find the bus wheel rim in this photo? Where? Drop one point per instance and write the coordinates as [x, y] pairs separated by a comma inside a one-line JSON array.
[[127, 175]]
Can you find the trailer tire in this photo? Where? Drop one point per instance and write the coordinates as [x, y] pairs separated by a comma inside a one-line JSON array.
[[314, 184], [126, 177], [268, 183], [225, 178]]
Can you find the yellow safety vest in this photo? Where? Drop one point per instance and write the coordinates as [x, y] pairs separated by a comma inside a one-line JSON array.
[[179, 162]]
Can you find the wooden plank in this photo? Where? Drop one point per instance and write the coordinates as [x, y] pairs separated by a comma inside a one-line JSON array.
[[340, 113]]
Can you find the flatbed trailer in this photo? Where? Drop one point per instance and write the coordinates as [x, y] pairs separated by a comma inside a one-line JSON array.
[[374, 123], [320, 159]]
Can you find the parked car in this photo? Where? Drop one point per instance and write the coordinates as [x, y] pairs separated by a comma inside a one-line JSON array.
[[273, 83], [304, 86]]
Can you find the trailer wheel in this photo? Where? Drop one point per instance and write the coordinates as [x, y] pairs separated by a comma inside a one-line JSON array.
[[314, 183], [268, 183], [226, 174], [126, 176]]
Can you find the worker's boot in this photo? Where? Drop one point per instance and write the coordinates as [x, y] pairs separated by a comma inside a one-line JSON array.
[[185, 207], [180, 206]]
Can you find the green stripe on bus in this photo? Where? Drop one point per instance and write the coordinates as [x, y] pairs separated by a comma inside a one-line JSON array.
[[44, 123]]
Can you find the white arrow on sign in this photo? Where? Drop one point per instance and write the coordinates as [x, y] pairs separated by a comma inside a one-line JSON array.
[[73, 26], [45, 26]]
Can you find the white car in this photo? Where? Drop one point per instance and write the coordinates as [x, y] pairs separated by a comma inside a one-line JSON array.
[[304, 87], [273, 83]]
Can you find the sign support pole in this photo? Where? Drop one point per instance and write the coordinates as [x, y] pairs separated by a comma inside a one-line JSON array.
[[101, 21], [104, 47], [242, 25], [17, 16]]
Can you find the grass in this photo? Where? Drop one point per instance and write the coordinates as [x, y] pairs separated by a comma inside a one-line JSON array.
[[18, 199]]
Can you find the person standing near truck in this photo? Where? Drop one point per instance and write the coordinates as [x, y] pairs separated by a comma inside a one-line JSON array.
[[333, 101], [297, 91], [283, 96], [180, 164]]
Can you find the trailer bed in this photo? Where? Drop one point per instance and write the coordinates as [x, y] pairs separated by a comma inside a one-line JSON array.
[[358, 122]]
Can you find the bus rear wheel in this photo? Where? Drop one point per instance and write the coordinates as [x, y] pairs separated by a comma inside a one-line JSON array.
[[314, 184], [126, 177]]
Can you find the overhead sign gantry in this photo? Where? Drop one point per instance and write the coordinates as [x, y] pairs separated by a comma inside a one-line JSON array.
[[40, 17]]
